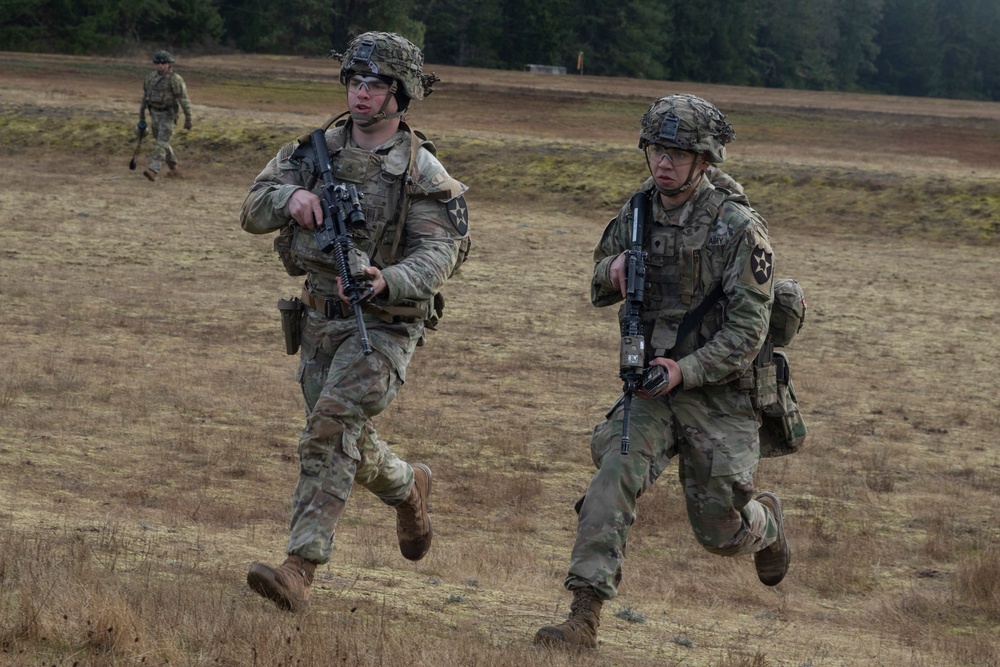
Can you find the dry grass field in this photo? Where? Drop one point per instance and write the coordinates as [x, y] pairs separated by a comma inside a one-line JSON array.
[[149, 415]]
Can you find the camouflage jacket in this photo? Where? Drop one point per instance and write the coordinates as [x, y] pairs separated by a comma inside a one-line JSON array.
[[714, 238], [166, 92], [415, 236]]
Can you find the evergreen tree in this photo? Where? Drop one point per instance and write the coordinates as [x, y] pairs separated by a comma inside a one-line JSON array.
[[463, 32], [909, 59]]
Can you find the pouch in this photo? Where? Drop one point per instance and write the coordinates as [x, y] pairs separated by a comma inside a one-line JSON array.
[[765, 385], [291, 323], [782, 429], [283, 246]]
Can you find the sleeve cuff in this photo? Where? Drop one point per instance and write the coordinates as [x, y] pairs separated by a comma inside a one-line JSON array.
[[692, 372], [281, 197], [392, 286], [602, 274]]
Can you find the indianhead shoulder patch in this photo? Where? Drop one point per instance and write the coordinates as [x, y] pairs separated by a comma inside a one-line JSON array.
[[761, 265], [458, 213]]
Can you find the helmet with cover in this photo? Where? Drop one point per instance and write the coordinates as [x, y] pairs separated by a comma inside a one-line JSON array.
[[687, 122], [161, 57], [387, 55]]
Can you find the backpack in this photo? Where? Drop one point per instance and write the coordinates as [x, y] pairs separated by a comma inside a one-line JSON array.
[[782, 429]]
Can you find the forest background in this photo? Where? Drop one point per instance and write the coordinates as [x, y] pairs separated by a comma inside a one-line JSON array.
[[935, 48]]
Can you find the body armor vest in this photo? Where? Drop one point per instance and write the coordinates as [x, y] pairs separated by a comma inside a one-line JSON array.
[[685, 262], [381, 180], [159, 92]]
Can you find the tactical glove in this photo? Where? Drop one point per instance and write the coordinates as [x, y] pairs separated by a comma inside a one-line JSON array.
[[187, 123], [140, 128]]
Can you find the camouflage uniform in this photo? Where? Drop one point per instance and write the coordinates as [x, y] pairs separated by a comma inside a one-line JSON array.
[[711, 423], [164, 96], [416, 232]]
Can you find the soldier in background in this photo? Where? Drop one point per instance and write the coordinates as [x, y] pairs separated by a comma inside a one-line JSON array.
[[164, 94], [697, 236], [415, 235]]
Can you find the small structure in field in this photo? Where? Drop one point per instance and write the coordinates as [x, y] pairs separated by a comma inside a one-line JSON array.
[[545, 69]]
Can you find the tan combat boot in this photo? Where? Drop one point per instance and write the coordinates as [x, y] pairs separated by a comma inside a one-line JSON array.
[[174, 169], [287, 585], [150, 174], [772, 561], [580, 629], [413, 522]]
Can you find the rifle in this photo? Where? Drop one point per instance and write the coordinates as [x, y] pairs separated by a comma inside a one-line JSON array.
[[632, 358], [342, 213], [140, 129]]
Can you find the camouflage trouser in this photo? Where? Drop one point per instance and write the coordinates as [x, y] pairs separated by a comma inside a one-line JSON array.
[[338, 446], [163, 130], [719, 451]]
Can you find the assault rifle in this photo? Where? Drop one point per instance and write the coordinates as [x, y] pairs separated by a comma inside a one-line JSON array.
[[632, 359], [342, 213]]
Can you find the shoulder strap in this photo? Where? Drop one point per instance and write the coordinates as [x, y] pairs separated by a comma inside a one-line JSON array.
[[416, 139], [693, 317]]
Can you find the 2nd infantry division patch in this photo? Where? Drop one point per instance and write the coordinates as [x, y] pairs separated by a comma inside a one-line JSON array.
[[761, 265], [458, 213]]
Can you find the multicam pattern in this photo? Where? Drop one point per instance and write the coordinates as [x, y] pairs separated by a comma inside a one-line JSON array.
[[344, 389], [390, 55], [687, 122], [164, 95], [709, 424]]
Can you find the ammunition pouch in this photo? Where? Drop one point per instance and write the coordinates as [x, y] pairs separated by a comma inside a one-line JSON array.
[[765, 378], [782, 429], [291, 323]]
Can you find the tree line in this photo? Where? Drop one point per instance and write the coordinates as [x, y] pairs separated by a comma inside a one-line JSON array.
[[937, 48]]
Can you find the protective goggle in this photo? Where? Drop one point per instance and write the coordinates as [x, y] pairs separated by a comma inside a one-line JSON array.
[[372, 85]]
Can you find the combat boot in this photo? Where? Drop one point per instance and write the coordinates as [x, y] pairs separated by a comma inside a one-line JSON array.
[[287, 585], [150, 174], [413, 521], [580, 629], [772, 561], [173, 169]]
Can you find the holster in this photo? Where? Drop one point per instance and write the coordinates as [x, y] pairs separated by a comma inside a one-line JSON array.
[[291, 323]]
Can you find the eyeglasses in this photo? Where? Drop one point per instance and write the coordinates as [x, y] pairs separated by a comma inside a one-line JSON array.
[[675, 156], [374, 86]]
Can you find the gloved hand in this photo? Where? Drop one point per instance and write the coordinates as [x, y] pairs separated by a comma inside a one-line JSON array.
[[140, 128], [187, 122]]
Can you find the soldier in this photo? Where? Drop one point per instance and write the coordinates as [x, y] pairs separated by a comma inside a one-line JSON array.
[[164, 94], [697, 237], [415, 235]]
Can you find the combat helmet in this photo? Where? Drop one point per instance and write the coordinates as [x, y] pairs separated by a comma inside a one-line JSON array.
[[689, 123], [386, 54], [161, 57]]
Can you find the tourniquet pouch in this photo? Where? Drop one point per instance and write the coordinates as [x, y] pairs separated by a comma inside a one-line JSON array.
[[782, 428]]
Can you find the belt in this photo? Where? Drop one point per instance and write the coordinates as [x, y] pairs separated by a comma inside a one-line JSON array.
[[332, 309], [335, 309]]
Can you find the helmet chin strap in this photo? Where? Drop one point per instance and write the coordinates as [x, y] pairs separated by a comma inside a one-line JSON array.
[[675, 191], [366, 121]]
